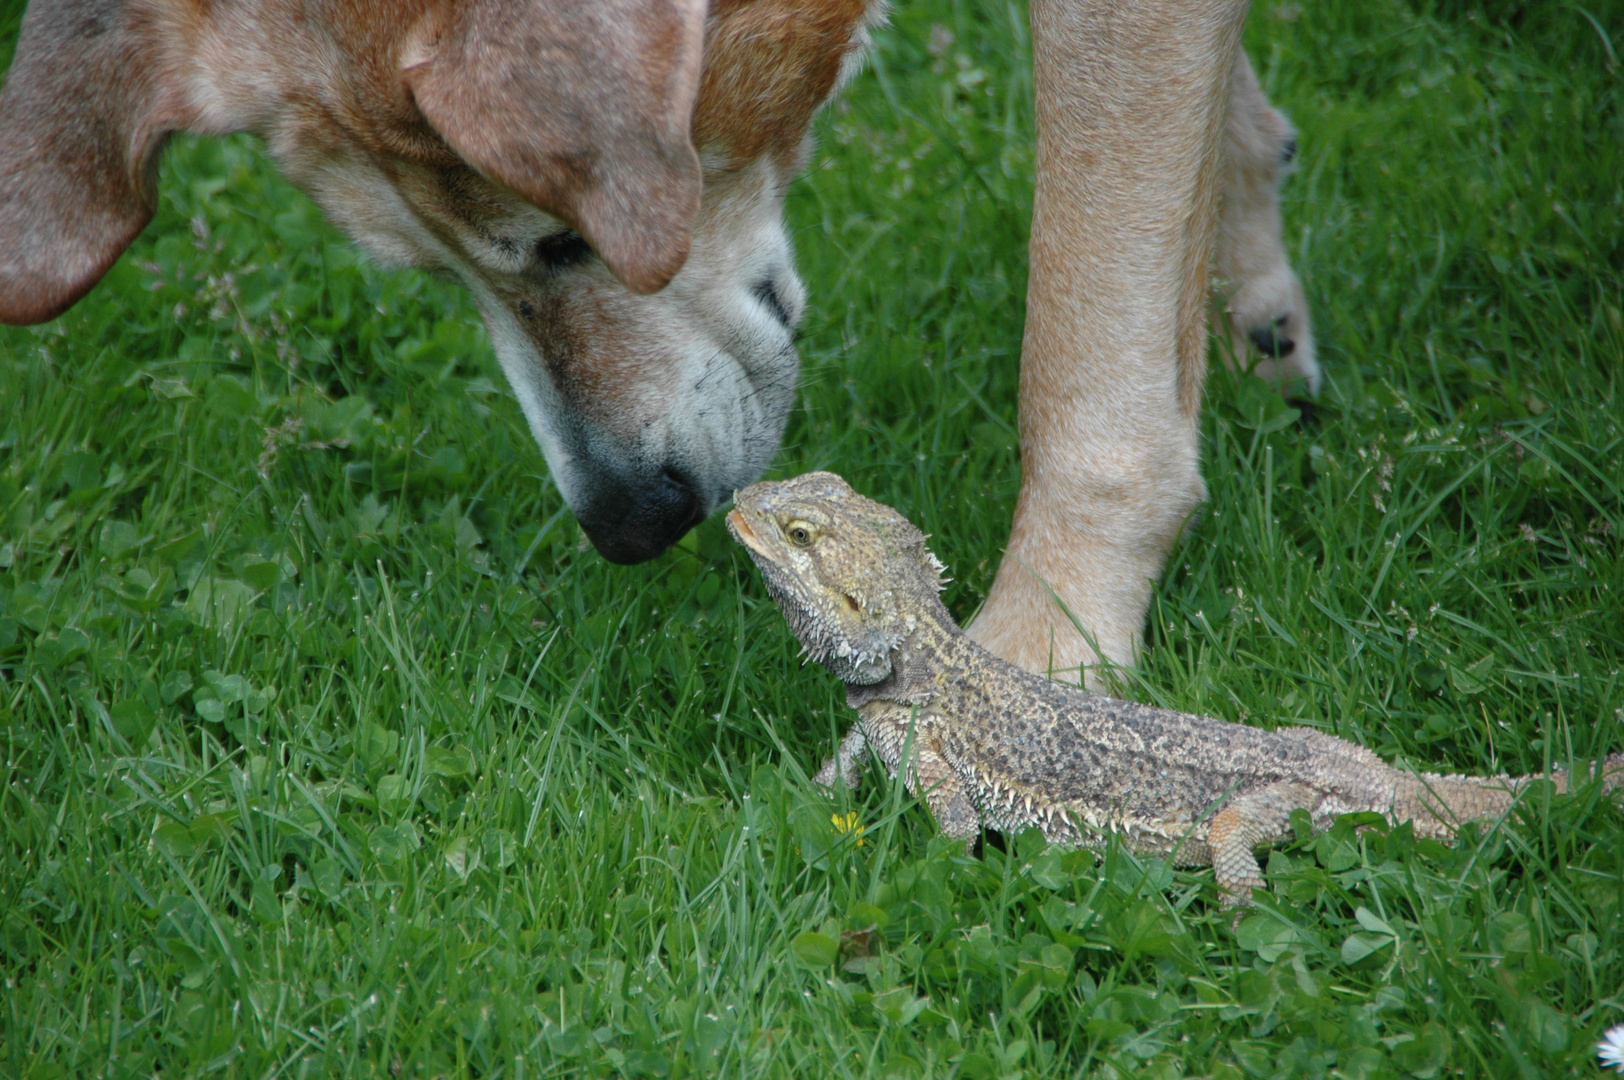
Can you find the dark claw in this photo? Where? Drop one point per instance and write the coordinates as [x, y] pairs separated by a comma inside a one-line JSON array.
[[1288, 151], [1270, 343]]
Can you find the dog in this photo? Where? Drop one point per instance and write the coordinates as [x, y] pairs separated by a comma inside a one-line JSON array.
[[607, 179]]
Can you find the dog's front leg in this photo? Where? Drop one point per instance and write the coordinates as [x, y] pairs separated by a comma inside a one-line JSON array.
[[1131, 101]]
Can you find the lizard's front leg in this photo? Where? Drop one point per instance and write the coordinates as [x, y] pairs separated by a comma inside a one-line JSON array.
[[847, 764], [949, 803], [890, 727]]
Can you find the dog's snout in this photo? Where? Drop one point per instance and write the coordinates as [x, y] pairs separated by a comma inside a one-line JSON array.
[[633, 522]]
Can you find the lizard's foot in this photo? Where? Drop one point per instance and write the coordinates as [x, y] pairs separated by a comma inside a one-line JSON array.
[[1249, 819], [830, 774], [1236, 898], [846, 767], [955, 814]]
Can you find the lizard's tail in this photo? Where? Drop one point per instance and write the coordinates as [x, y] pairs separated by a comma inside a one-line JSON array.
[[1439, 804]]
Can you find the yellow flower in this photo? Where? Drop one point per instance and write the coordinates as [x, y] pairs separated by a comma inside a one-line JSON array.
[[847, 823]]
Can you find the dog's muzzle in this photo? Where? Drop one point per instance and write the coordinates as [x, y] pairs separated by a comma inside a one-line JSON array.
[[632, 523]]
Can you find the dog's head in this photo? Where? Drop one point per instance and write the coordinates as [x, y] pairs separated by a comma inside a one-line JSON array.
[[606, 177]]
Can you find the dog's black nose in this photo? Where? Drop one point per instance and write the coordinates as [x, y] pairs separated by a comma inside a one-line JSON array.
[[1270, 343], [631, 522]]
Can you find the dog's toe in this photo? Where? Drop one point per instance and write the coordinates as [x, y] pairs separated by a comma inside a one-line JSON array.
[[1270, 332]]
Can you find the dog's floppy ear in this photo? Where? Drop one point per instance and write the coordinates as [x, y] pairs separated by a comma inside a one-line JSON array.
[[583, 107], [78, 134]]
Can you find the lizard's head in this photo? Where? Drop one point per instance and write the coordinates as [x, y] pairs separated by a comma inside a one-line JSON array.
[[852, 576]]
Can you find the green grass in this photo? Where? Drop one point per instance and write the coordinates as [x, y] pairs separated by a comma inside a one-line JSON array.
[[330, 751]]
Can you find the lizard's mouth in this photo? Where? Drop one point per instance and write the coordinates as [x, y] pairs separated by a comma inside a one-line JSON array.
[[740, 528]]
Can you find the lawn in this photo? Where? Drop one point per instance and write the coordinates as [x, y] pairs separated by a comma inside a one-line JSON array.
[[331, 750]]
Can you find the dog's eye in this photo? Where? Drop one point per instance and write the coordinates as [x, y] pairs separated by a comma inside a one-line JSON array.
[[562, 250], [800, 533]]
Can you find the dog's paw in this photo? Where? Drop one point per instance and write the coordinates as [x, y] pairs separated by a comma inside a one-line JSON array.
[[1270, 332]]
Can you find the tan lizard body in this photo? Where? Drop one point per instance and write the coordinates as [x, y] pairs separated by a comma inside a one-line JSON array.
[[994, 745]]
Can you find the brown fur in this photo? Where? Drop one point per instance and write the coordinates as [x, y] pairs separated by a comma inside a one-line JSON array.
[[769, 65], [522, 100], [1132, 185], [1127, 104], [656, 365], [78, 158], [585, 114]]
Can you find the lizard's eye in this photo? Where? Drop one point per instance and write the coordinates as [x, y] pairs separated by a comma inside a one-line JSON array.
[[800, 533]]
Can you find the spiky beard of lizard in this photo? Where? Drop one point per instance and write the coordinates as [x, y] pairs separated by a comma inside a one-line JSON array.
[[857, 660]]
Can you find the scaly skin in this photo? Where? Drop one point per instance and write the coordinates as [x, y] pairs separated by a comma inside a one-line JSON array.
[[995, 746]]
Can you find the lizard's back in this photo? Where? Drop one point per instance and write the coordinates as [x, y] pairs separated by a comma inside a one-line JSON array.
[[1029, 747]]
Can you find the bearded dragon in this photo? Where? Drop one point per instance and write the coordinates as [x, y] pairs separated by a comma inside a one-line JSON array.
[[991, 745]]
